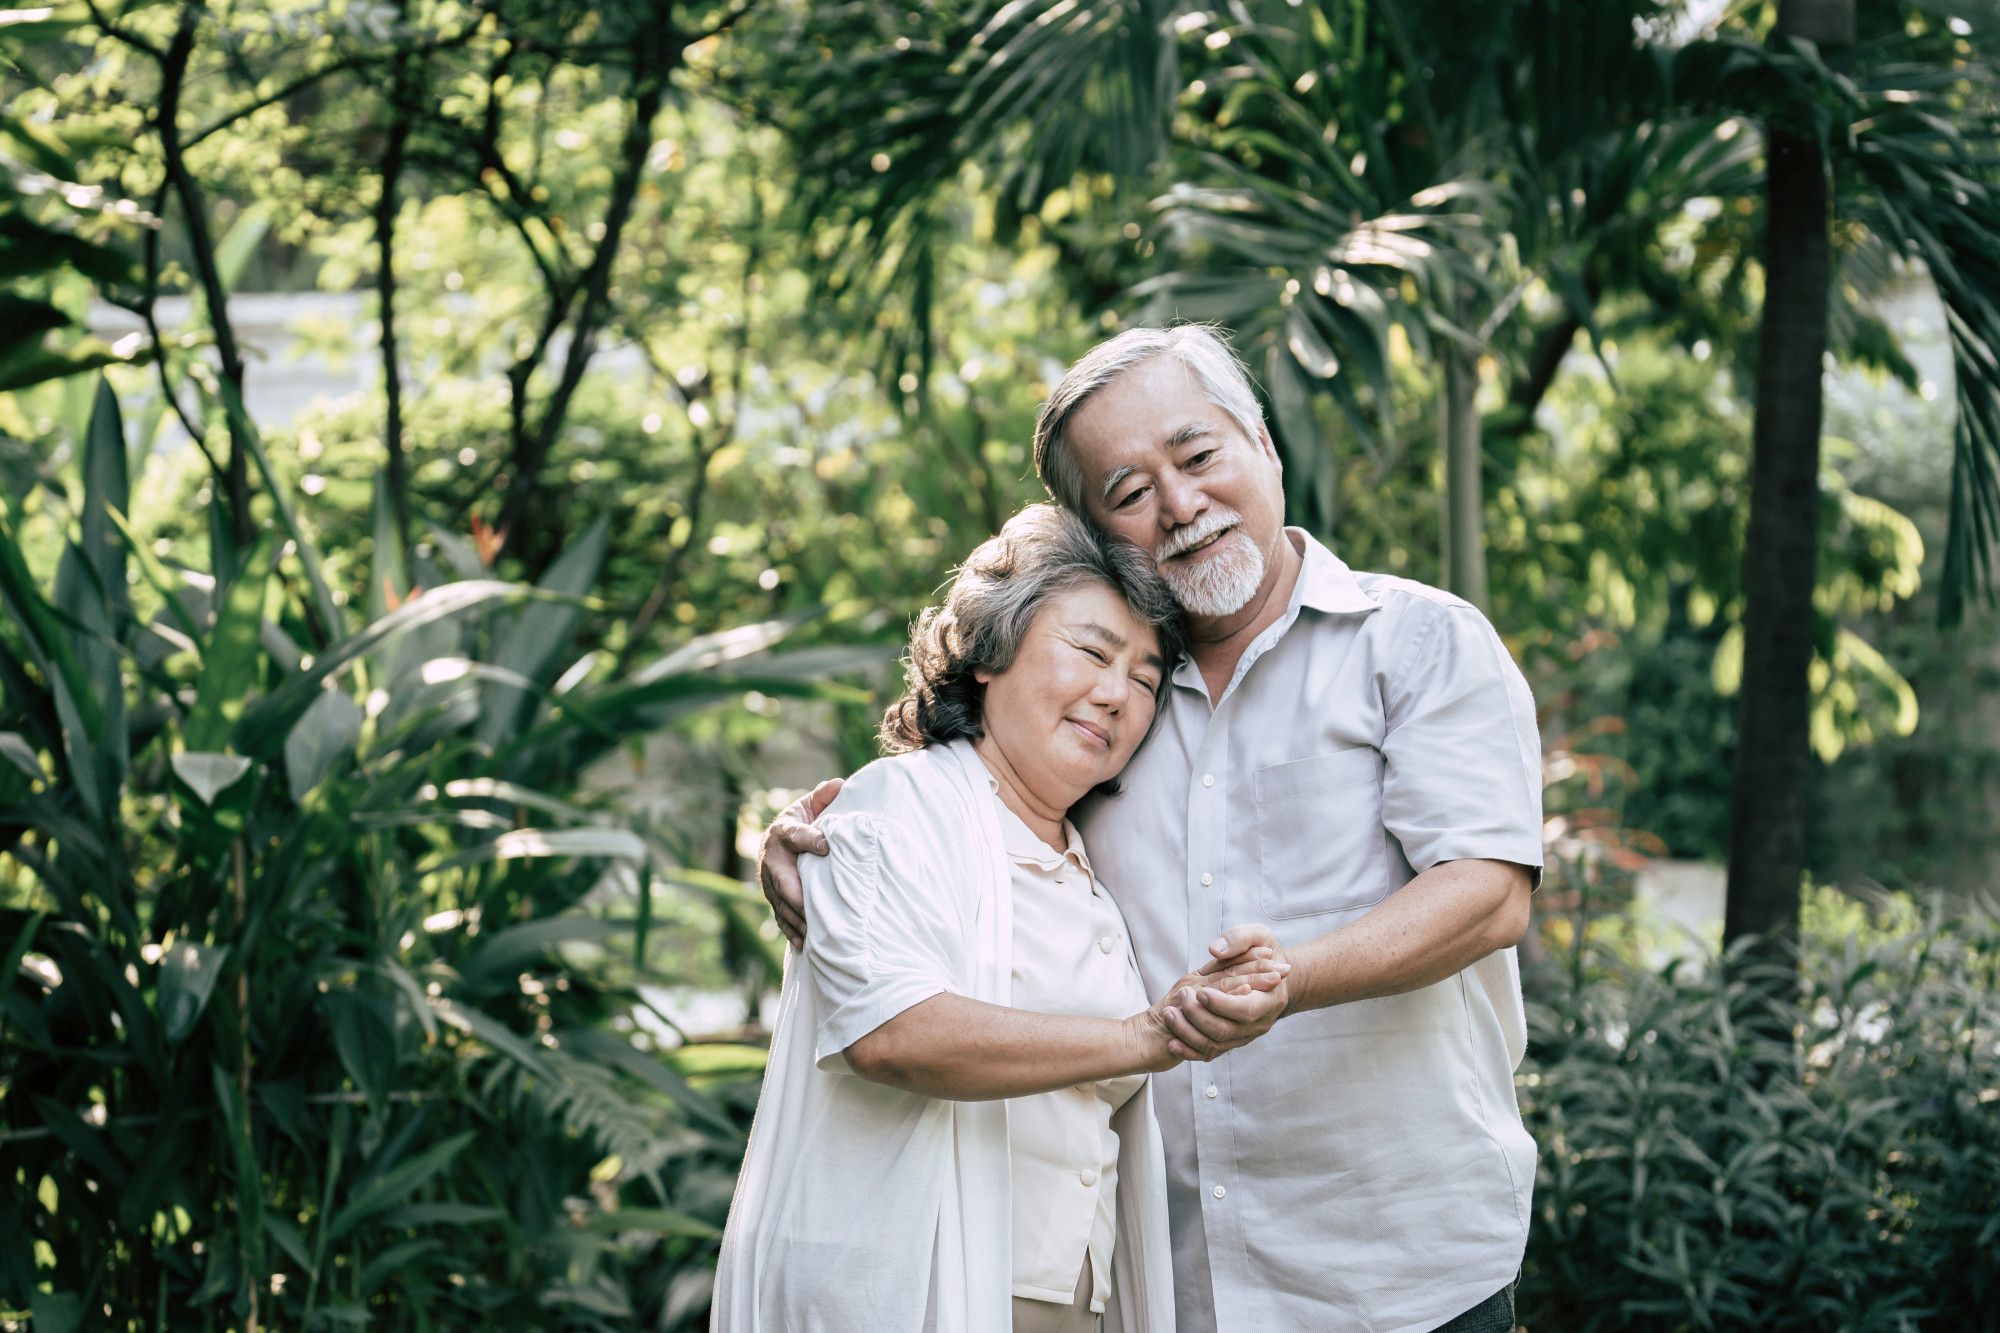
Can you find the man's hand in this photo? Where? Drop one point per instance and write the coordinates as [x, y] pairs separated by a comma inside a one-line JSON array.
[[1234, 998], [1213, 1016], [791, 836]]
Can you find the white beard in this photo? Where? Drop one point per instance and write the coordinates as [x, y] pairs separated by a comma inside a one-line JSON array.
[[1223, 583]]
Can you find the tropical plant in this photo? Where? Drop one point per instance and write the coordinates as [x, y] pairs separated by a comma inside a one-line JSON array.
[[316, 957], [1460, 178], [1695, 1177]]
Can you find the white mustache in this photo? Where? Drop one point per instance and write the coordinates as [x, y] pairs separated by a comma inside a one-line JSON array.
[[1197, 532]]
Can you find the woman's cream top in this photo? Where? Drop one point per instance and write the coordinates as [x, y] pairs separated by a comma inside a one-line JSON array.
[[1070, 957]]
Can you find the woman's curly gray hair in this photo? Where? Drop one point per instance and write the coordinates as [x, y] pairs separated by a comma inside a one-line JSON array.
[[1041, 551]]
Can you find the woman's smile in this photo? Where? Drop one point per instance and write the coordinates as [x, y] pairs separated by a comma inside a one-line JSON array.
[[1092, 733]]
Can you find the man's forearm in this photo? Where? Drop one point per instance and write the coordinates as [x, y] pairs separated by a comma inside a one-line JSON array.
[[967, 1050], [1436, 926]]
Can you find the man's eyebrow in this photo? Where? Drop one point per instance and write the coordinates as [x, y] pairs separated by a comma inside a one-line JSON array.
[[1185, 433], [1115, 639], [1111, 483]]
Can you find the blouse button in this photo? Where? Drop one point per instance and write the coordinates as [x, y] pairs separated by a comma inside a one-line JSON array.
[[1209, 1092], [1206, 879], [1087, 1176], [1219, 1191], [1208, 779], [1104, 943]]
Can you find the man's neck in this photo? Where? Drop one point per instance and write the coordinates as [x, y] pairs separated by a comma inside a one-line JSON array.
[[1217, 643]]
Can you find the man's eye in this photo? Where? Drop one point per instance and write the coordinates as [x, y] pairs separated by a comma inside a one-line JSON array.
[[1201, 458], [1131, 496]]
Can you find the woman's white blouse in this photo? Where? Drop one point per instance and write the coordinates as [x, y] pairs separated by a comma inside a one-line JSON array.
[[862, 1207], [1070, 957]]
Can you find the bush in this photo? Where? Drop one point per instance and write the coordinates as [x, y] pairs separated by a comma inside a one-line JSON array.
[[314, 947], [1694, 1176]]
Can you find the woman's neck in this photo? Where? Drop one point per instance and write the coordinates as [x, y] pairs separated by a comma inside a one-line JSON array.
[[1044, 819]]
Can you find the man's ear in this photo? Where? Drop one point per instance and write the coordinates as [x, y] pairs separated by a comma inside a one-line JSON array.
[[1270, 449]]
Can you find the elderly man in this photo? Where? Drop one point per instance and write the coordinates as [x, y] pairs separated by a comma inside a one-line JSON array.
[[1351, 760]]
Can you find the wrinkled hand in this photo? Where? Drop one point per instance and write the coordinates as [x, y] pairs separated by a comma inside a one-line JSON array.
[[790, 836], [1232, 1000], [1214, 1010]]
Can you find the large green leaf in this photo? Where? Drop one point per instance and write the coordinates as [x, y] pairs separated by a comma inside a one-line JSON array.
[[324, 735], [188, 973], [325, 610], [233, 655], [395, 1185], [267, 721], [536, 844], [541, 633]]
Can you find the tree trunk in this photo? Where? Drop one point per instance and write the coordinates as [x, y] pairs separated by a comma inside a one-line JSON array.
[[397, 472], [1464, 496], [1767, 850]]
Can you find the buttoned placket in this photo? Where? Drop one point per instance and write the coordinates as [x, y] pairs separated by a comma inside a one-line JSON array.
[[1208, 844]]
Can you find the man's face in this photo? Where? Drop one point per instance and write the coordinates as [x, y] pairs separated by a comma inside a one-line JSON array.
[[1169, 471]]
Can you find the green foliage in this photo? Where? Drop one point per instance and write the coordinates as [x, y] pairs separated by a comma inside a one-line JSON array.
[[1693, 1177], [311, 957]]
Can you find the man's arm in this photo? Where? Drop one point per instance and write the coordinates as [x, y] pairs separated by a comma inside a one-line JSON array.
[[1437, 925]]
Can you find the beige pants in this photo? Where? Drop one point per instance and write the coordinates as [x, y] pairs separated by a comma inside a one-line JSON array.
[[1048, 1317]]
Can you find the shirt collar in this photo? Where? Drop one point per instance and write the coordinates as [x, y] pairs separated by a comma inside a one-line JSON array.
[[1326, 583], [1021, 844]]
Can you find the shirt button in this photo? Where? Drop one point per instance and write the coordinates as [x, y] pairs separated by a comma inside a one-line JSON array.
[[1209, 1092], [1219, 1191], [1208, 779], [1206, 879], [1104, 943], [1088, 1177]]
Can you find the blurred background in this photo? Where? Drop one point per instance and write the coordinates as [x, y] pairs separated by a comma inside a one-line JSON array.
[[466, 465]]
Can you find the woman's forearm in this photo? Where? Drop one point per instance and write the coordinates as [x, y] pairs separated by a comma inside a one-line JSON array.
[[967, 1050]]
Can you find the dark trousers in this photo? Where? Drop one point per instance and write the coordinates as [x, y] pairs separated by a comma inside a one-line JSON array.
[[1495, 1314]]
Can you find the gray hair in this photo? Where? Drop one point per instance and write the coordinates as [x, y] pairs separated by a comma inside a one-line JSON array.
[[994, 598], [1203, 349]]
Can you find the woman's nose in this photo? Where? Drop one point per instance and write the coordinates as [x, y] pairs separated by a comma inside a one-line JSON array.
[[1112, 690]]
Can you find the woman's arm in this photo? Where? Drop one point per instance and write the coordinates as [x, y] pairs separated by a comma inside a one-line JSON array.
[[967, 1050]]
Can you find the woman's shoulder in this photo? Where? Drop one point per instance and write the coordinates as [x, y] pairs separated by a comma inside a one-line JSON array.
[[915, 787]]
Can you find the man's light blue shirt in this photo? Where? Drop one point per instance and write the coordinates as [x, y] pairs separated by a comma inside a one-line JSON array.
[[1363, 1166]]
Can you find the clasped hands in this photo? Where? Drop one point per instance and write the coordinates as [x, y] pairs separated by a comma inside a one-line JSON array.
[[1232, 1000]]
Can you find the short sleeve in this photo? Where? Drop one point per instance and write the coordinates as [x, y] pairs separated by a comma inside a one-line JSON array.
[[1463, 771], [882, 932]]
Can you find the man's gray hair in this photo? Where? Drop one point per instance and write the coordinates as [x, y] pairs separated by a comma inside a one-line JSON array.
[[1040, 552], [1202, 348]]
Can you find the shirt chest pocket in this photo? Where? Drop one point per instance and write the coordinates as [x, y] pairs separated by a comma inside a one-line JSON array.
[[1319, 834]]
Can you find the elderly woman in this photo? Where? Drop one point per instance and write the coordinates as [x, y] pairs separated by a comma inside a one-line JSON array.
[[955, 1132]]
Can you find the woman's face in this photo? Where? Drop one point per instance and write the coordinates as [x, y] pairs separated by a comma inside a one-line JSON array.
[[1080, 694]]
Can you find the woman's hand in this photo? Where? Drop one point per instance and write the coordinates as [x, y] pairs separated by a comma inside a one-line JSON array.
[[1212, 1019], [1156, 1033]]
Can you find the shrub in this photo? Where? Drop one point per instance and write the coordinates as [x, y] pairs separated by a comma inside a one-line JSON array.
[[311, 939], [1695, 1177]]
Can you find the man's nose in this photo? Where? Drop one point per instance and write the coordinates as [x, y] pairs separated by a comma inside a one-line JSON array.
[[1180, 502]]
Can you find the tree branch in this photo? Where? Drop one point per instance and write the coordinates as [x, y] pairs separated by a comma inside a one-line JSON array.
[[194, 212]]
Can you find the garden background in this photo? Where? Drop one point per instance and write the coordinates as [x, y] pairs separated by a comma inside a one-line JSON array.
[[466, 464]]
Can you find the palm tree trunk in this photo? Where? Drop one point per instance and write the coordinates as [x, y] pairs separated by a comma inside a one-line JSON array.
[[1767, 851], [1464, 495]]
